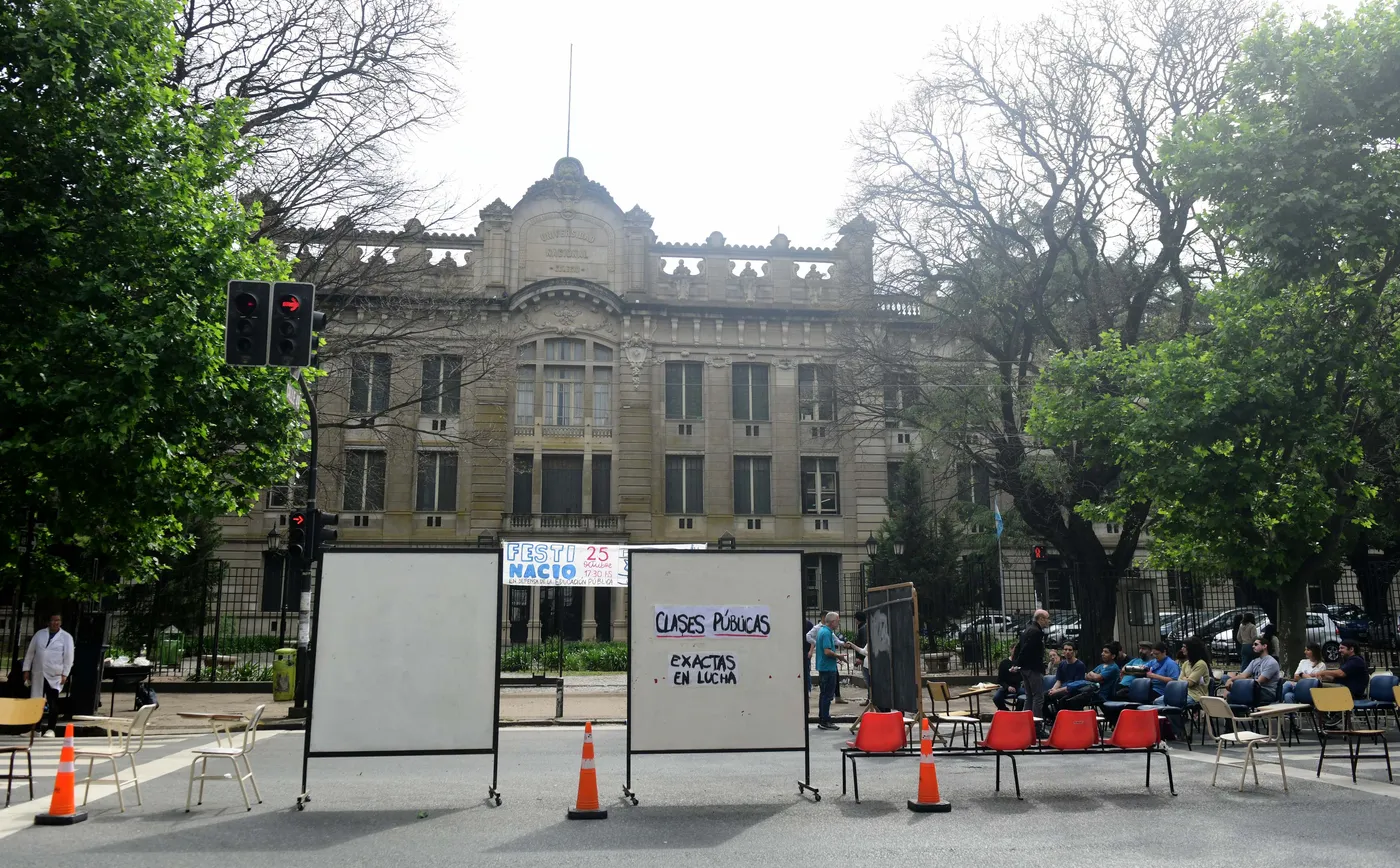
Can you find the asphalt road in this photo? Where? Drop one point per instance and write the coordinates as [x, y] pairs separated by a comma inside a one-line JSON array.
[[734, 809]]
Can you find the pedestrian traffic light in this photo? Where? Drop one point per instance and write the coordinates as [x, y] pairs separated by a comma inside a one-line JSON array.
[[292, 318], [326, 531], [298, 526], [247, 322], [1040, 554]]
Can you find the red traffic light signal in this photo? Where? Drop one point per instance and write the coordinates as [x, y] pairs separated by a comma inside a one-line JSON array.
[[1038, 553], [289, 304], [298, 519]]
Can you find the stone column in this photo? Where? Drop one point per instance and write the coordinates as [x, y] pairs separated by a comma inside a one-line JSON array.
[[619, 614], [505, 615], [590, 622], [533, 628]]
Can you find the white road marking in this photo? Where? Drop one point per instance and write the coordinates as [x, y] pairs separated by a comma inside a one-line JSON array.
[[21, 816], [1294, 761]]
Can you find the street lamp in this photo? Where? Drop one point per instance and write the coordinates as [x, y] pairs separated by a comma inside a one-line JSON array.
[[872, 545], [899, 548], [274, 541], [727, 543]]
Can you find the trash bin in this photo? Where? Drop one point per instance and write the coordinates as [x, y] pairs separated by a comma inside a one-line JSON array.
[[170, 650], [284, 675], [972, 648]]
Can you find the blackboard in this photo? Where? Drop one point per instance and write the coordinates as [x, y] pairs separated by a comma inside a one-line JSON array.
[[892, 619]]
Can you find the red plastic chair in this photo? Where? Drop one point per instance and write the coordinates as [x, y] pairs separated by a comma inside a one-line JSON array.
[[1139, 730], [881, 733], [1074, 730], [1011, 732]]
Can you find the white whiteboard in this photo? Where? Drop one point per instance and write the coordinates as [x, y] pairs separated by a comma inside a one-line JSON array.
[[764, 706], [406, 652]]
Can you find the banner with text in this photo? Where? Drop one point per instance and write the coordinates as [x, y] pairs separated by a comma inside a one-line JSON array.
[[572, 564], [700, 622], [702, 670]]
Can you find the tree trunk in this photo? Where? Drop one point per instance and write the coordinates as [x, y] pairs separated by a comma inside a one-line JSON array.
[[1293, 617], [1095, 586]]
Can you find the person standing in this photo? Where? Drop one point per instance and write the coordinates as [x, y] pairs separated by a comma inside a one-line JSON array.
[[827, 668], [862, 641], [51, 653], [1030, 660], [1245, 636]]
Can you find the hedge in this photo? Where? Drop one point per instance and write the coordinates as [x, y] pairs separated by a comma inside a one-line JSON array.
[[578, 657]]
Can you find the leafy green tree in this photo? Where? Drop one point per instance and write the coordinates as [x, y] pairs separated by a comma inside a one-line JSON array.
[[932, 542], [1264, 443], [118, 418]]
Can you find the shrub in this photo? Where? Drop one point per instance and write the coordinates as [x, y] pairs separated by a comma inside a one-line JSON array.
[[578, 657]]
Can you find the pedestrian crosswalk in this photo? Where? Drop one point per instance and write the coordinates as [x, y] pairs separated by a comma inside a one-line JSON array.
[[45, 752]]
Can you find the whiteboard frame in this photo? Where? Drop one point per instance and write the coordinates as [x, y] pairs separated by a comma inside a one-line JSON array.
[[804, 785], [307, 753]]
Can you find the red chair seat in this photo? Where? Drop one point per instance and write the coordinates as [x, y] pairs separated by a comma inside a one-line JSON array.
[[1010, 730], [879, 732], [1137, 729], [1074, 730]]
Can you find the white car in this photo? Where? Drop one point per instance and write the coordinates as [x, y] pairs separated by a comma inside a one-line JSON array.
[[1321, 629], [994, 624]]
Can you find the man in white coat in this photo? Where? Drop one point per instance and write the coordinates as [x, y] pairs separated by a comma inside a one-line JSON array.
[[51, 651]]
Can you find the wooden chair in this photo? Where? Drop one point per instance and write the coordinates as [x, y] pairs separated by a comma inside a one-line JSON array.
[[1338, 700], [938, 692], [20, 712], [1214, 710], [233, 755], [118, 749]]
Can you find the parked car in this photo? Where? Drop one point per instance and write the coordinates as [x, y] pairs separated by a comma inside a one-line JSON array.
[[995, 624], [1321, 629], [1056, 634], [1208, 624], [1351, 621]]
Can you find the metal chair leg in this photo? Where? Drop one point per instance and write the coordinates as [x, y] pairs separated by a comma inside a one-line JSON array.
[[134, 779], [117, 784], [87, 785], [252, 779], [1171, 782], [1016, 776], [233, 761], [203, 773], [998, 772], [1219, 749], [189, 791], [1281, 770]]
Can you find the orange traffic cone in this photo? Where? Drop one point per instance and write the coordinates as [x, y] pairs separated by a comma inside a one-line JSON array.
[[586, 808], [928, 802], [62, 809]]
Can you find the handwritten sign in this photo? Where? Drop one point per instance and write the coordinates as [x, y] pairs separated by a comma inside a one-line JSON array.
[[572, 564], [705, 622], [702, 670]]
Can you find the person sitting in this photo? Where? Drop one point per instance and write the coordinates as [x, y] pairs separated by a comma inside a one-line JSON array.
[[1353, 673], [1070, 671], [1161, 669], [1196, 671], [1308, 667], [1263, 670], [1099, 684], [1139, 663], [1009, 681]]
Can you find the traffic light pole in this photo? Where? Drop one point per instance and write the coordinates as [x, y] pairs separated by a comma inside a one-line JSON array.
[[303, 670]]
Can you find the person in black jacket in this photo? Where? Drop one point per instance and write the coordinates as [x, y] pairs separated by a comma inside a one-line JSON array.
[[1030, 659]]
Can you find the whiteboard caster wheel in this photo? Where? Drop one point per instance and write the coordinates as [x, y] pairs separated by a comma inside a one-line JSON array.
[[816, 797], [300, 806], [634, 801], [498, 801]]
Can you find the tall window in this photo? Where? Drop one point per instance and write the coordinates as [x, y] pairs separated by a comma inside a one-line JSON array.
[[819, 484], [685, 484], [561, 484], [561, 403], [602, 397], [369, 383], [563, 350], [437, 481], [751, 393], [522, 485], [442, 385], [753, 485], [525, 395], [683, 390], [563, 395], [364, 480], [892, 471], [602, 484], [816, 393], [901, 397], [974, 484]]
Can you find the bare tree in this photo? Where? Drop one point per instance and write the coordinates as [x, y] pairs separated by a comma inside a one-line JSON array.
[[1018, 211], [335, 91]]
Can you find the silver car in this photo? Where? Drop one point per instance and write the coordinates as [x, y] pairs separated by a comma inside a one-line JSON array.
[[1321, 629]]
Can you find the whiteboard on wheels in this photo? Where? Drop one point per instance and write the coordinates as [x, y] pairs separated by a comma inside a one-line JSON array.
[[716, 652], [406, 656]]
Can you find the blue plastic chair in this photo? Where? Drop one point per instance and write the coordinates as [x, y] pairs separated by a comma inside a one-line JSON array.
[[1380, 698], [1139, 694], [1302, 693], [1243, 697], [1176, 708]]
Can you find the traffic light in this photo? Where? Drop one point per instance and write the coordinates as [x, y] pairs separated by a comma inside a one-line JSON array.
[[326, 531], [293, 314], [247, 322], [1040, 556], [298, 536]]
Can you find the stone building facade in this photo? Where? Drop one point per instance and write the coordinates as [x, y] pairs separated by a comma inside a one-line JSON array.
[[652, 392]]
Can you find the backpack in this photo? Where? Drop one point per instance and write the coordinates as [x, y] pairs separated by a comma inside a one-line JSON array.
[[145, 695]]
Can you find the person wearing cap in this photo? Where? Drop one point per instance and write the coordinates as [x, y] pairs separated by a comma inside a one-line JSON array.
[[1353, 672], [1144, 656]]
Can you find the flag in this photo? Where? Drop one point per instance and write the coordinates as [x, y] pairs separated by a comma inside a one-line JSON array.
[[996, 508]]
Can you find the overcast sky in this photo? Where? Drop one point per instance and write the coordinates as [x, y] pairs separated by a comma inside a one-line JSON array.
[[729, 116]]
